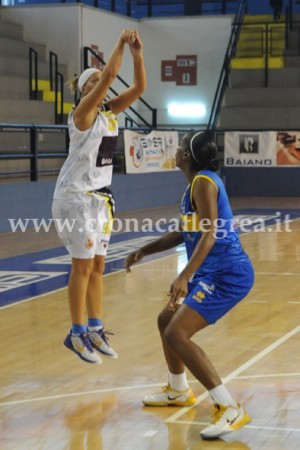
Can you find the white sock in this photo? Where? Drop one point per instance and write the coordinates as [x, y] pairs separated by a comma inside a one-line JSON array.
[[178, 381], [221, 396]]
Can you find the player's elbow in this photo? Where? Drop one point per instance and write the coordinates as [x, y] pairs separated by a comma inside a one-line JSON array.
[[210, 238], [143, 88], [140, 88], [143, 84]]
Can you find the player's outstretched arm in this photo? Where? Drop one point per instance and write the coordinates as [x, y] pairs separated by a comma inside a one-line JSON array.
[[85, 111], [166, 242], [127, 97]]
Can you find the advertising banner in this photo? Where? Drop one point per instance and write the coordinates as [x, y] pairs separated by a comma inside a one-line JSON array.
[[250, 149], [262, 149], [153, 152], [288, 148]]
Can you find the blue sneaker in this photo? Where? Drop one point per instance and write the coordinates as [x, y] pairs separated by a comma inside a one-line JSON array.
[[99, 342], [82, 347]]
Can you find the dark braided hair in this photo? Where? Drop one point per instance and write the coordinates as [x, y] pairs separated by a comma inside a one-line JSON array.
[[203, 149]]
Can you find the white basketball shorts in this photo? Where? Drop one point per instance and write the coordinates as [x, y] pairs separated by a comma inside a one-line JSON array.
[[83, 223]]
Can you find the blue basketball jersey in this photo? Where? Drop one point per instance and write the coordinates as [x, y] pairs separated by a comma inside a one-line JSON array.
[[227, 250]]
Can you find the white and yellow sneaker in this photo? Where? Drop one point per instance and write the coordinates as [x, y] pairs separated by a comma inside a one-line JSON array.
[[170, 397], [99, 342], [82, 347], [225, 419]]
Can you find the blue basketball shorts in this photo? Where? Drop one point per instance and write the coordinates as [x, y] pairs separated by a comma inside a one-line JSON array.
[[214, 294]]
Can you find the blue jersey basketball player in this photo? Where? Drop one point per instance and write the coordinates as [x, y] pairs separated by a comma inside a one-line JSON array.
[[217, 276]]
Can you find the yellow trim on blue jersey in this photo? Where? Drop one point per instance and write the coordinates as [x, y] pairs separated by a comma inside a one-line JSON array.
[[190, 222], [192, 186]]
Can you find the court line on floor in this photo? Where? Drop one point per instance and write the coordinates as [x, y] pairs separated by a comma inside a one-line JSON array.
[[278, 273], [80, 393], [256, 273], [256, 427], [233, 375], [173, 418], [268, 375]]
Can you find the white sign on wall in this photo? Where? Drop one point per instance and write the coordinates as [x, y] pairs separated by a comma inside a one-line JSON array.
[[262, 149], [153, 152], [250, 149]]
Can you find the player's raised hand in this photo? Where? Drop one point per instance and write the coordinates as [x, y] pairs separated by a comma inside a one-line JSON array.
[[128, 36], [136, 48]]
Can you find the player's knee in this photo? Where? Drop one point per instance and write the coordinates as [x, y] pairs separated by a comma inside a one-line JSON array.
[[99, 265], [82, 268], [98, 268], [163, 320], [173, 337]]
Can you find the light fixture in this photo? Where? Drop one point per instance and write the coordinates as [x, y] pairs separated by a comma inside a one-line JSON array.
[[187, 110]]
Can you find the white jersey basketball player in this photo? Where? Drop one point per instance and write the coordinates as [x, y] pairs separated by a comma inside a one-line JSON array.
[[83, 205]]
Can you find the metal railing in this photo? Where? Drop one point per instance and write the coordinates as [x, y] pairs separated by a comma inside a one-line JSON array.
[[163, 8], [153, 124], [56, 82], [191, 7], [288, 21], [271, 36], [224, 75], [32, 152], [264, 40], [289, 14], [33, 74], [33, 155], [57, 85], [268, 34], [153, 8]]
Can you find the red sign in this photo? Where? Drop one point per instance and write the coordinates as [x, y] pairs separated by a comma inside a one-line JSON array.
[[94, 60], [183, 70]]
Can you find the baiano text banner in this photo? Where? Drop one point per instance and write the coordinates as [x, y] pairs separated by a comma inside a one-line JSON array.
[[262, 149]]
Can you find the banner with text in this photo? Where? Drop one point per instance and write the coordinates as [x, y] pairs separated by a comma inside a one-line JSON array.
[[262, 149], [153, 152]]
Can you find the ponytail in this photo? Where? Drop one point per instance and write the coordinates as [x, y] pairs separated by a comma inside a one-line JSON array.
[[74, 83]]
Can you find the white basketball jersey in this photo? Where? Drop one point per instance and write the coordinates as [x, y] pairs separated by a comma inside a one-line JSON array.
[[89, 164]]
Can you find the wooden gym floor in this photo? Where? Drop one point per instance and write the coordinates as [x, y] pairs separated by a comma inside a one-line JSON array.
[[50, 400]]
